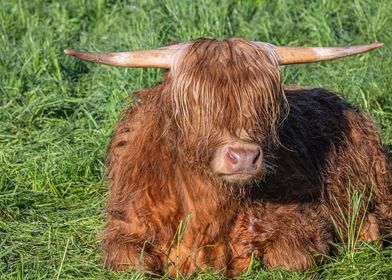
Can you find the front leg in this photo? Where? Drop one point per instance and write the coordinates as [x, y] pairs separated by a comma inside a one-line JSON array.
[[294, 237], [242, 245], [285, 236], [287, 252], [123, 248]]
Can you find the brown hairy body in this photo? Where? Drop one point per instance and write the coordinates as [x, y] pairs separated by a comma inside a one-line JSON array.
[[316, 149]]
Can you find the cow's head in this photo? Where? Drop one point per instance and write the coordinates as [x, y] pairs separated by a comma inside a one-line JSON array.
[[224, 96]]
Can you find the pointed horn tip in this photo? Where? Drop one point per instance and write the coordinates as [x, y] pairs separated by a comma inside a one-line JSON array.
[[68, 52], [377, 45], [71, 52]]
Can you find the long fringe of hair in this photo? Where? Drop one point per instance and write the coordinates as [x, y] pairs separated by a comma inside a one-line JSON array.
[[230, 84]]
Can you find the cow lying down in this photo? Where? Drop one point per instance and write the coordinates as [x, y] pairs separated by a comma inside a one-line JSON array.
[[219, 161]]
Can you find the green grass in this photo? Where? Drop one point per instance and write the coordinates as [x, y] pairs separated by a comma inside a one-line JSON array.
[[57, 113]]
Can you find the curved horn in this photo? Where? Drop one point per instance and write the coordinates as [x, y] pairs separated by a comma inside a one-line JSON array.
[[160, 58], [297, 55]]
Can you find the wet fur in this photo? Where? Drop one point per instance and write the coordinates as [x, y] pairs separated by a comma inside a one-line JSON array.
[[316, 145]]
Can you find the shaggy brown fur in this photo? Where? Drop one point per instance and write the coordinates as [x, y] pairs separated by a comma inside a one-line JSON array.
[[317, 150]]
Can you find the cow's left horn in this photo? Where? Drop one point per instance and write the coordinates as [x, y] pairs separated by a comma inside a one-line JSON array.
[[159, 58], [297, 55]]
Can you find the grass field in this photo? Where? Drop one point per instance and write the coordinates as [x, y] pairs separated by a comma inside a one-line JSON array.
[[57, 113]]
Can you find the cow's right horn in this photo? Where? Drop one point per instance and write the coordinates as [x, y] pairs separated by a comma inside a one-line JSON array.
[[159, 58]]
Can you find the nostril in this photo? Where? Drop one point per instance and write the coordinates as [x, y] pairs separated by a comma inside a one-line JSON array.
[[256, 159], [232, 156]]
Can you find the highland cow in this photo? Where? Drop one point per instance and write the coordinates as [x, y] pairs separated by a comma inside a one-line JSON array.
[[219, 161]]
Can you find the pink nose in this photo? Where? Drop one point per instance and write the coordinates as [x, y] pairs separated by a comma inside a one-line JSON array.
[[242, 159]]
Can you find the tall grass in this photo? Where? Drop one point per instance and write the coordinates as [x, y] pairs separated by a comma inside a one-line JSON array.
[[57, 113], [353, 221]]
